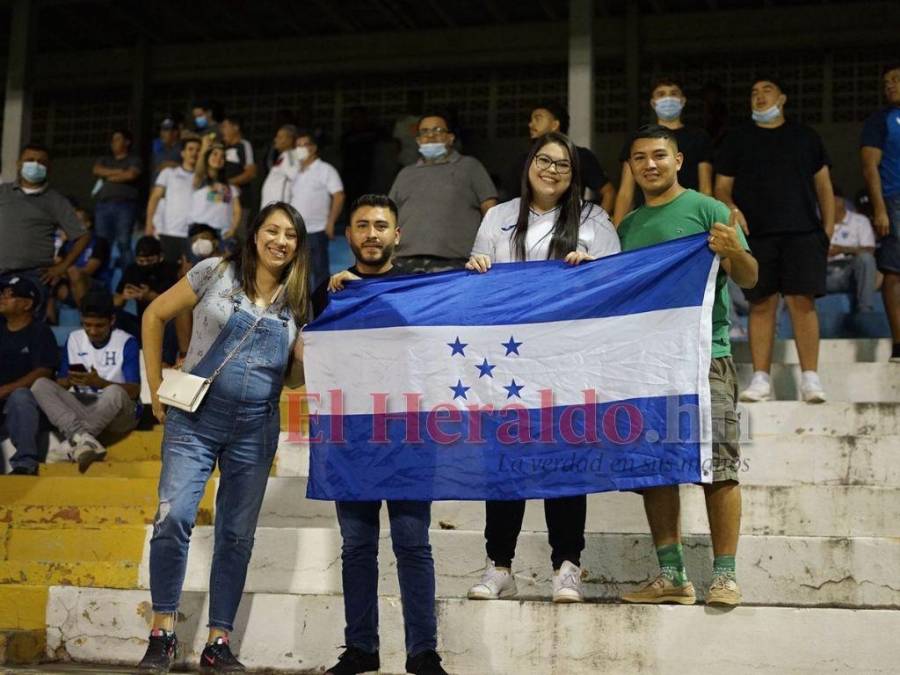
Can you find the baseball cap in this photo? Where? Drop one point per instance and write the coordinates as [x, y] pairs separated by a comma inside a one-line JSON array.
[[22, 288], [170, 121]]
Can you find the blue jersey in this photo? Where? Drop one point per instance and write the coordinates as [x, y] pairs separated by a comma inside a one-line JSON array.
[[882, 131]]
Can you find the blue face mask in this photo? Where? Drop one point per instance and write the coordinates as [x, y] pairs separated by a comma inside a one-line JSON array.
[[200, 122], [34, 172], [433, 150], [767, 115], [668, 108]]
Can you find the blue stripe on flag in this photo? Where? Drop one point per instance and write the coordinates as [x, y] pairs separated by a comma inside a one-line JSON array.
[[629, 445], [552, 291]]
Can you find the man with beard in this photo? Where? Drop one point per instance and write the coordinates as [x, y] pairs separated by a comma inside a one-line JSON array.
[[372, 235]]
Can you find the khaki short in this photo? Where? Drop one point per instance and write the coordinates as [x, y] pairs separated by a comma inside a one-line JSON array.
[[726, 428]]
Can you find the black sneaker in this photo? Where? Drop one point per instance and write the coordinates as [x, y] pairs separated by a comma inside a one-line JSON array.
[[22, 471], [354, 661], [160, 652], [217, 658], [425, 663]]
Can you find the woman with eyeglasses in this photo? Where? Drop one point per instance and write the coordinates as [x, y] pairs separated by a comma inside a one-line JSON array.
[[550, 221]]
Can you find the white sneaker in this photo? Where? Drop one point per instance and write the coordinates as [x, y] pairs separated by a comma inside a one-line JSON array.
[[760, 388], [495, 583], [567, 584], [811, 387], [60, 454], [87, 450]]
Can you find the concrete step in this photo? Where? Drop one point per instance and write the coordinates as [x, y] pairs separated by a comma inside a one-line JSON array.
[[773, 570], [779, 418], [809, 511], [36, 515], [111, 469], [782, 460], [498, 638], [119, 574], [106, 544], [22, 606], [855, 382], [830, 351]]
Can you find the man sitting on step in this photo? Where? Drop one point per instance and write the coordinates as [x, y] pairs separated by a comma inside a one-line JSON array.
[[98, 386], [27, 352]]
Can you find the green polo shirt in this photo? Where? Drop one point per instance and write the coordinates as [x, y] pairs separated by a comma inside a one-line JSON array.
[[689, 213]]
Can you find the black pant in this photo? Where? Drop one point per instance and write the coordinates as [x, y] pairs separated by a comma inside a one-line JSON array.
[[565, 518]]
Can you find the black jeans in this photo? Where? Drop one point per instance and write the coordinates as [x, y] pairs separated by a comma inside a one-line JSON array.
[[565, 518]]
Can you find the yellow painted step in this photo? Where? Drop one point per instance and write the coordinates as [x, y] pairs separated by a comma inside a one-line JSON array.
[[20, 647], [138, 446], [23, 607], [84, 544], [37, 515], [118, 574], [111, 469]]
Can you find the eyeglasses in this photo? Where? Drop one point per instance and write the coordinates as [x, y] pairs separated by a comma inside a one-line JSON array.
[[543, 162], [434, 131]]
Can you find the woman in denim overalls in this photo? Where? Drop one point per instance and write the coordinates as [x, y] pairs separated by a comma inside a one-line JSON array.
[[248, 306]]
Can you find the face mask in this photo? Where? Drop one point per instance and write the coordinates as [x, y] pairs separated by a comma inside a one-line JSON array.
[[200, 122], [202, 248], [34, 172], [668, 108], [302, 153], [767, 115], [433, 150]]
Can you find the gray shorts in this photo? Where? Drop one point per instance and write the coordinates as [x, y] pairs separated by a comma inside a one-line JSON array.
[[726, 428]]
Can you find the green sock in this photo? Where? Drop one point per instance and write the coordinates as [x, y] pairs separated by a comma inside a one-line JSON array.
[[671, 563], [723, 565]]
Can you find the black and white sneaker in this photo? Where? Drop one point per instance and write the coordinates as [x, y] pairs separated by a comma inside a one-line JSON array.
[[355, 661], [160, 652], [217, 658], [425, 663]]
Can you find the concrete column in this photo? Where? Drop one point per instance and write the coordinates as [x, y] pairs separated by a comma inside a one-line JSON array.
[[581, 71], [140, 97], [17, 107], [632, 67]]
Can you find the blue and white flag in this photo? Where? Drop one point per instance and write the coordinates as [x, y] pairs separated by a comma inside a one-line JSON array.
[[532, 380]]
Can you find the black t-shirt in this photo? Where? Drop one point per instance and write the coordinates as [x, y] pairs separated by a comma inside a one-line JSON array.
[[25, 350], [321, 296], [159, 278], [592, 174], [773, 173], [696, 146]]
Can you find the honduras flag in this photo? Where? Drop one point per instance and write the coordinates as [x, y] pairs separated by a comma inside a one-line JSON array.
[[532, 380]]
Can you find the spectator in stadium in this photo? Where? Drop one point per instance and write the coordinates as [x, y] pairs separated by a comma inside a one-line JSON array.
[[90, 270], [550, 221], [149, 276], [117, 192], [553, 116], [317, 192], [774, 174], [28, 352], [166, 149], [206, 119], [215, 201], [407, 126], [171, 200], [30, 213], [247, 308], [277, 185], [203, 243], [667, 100], [442, 199], [851, 260], [98, 384], [240, 167], [880, 155], [670, 212]]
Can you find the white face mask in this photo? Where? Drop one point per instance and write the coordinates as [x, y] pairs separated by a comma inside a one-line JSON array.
[[202, 248], [302, 153], [433, 150], [767, 115]]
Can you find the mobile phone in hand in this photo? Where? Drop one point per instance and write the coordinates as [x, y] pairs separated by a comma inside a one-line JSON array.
[[77, 368]]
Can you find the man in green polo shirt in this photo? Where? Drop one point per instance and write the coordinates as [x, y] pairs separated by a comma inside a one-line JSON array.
[[669, 212]]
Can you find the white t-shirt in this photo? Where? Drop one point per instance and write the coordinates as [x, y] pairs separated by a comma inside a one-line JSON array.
[[214, 205], [596, 235], [173, 214], [311, 193], [854, 231], [277, 186]]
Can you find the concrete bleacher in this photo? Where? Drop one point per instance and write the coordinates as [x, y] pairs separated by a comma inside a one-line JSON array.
[[818, 560]]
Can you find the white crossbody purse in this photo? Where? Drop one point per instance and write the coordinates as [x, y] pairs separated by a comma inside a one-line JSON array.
[[186, 391]]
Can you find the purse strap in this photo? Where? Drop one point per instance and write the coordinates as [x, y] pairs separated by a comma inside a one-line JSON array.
[[246, 335]]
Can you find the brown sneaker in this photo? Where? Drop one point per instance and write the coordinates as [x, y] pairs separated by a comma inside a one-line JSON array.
[[661, 590], [723, 591]]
